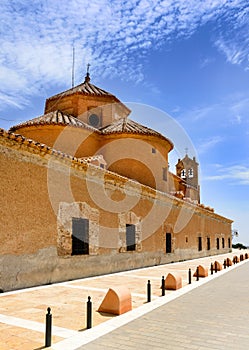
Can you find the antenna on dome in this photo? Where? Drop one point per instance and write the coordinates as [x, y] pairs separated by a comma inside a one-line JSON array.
[[73, 67]]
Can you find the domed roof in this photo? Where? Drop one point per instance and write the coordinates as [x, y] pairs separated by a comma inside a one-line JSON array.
[[85, 88], [54, 118], [81, 98], [128, 126]]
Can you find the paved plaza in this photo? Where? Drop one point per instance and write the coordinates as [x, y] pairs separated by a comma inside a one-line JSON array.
[[213, 316]]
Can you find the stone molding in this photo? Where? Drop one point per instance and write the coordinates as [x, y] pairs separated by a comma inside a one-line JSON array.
[[132, 219], [67, 211]]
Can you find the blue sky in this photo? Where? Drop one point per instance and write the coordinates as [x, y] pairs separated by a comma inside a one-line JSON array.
[[189, 59]]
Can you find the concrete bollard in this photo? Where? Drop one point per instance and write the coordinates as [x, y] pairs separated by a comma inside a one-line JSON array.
[[116, 301], [217, 266], [203, 272], [173, 282]]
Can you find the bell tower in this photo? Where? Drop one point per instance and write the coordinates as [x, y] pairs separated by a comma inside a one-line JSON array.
[[187, 170]]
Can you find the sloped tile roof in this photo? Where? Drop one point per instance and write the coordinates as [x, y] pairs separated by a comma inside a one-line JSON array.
[[55, 118], [123, 125], [85, 88], [130, 127]]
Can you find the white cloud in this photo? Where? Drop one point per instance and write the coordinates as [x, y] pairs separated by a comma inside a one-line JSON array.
[[232, 109], [208, 144], [233, 40], [37, 37], [239, 174], [206, 61]]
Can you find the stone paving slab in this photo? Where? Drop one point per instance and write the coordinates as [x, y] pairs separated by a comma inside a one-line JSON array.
[[214, 316], [68, 303]]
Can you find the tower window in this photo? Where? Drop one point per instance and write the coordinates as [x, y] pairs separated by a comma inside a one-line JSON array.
[[190, 172], [94, 120], [183, 174], [153, 150]]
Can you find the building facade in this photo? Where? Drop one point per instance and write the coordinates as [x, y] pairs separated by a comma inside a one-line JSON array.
[[87, 191]]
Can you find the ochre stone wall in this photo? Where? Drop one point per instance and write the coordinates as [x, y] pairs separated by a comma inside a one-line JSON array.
[[74, 141], [41, 189], [139, 157]]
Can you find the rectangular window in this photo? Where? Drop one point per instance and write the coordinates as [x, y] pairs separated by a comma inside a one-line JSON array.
[[217, 243], [165, 174], [168, 243], [229, 242], [208, 243], [80, 236], [199, 243], [130, 237], [153, 150], [223, 242]]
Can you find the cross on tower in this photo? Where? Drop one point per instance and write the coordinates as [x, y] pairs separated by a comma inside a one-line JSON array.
[[87, 77]]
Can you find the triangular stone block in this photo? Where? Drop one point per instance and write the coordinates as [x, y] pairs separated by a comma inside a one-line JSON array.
[[116, 301]]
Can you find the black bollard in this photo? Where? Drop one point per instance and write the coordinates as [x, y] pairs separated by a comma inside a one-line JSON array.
[[48, 331], [148, 292], [89, 313], [197, 273], [228, 262], [225, 264], [163, 286], [212, 268], [215, 267], [189, 276]]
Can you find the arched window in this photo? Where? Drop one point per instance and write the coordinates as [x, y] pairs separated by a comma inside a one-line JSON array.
[[183, 174], [190, 172]]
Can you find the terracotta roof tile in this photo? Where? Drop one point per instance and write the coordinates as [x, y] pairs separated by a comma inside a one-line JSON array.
[[85, 88], [55, 118], [129, 126]]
